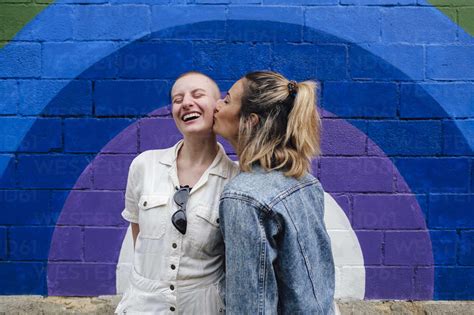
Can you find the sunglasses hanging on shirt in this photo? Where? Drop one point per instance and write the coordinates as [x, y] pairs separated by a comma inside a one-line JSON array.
[[181, 197]]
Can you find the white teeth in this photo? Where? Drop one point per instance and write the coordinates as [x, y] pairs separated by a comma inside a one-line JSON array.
[[190, 116]]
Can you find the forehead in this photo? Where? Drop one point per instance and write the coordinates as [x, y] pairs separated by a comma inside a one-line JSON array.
[[237, 89], [191, 82]]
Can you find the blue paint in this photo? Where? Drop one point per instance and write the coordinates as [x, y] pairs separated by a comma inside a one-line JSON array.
[[57, 55], [169, 20], [153, 60], [23, 278], [443, 62], [227, 62], [354, 99], [55, 25], [328, 62], [423, 25], [9, 129], [379, 2], [129, 98], [3, 243], [8, 178], [454, 283], [27, 207], [44, 136], [58, 171], [72, 98], [213, 58], [9, 97], [435, 174], [100, 131], [122, 22], [20, 60], [366, 65], [419, 100], [451, 211], [466, 248], [407, 137], [454, 141], [355, 24], [29, 243], [260, 32], [444, 246]]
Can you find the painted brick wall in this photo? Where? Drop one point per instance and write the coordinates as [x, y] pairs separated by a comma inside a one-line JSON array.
[[84, 88]]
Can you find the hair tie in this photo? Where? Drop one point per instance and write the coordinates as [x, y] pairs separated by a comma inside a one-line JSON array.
[[292, 88]]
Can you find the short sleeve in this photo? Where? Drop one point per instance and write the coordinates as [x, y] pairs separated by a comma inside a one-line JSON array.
[[130, 213]]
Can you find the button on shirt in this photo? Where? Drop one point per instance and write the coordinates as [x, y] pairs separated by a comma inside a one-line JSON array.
[[183, 270]]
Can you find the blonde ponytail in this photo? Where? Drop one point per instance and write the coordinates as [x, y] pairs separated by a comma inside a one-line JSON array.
[[288, 132]]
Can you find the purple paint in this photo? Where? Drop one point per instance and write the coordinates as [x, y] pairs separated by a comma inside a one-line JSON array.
[[371, 243], [389, 282], [382, 211], [423, 283], [96, 208], [158, 133], [124, 142], [407, 248], [356, 174], [108, 249], [344, 202], [349, 179], [339, 139], [68, 244], [110, 171], [81, 279]]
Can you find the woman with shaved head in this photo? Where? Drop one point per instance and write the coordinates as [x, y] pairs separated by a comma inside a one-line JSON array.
[[172, 200]]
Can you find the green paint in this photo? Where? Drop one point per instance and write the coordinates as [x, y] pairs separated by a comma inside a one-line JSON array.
[[13, 17], [460, 12], [466, 19]]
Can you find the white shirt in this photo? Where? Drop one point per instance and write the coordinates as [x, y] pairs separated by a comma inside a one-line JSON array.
[[175, 273]]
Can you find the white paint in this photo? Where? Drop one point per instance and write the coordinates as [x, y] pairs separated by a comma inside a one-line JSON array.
[[347, 253]]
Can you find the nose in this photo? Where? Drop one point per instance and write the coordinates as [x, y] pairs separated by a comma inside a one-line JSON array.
[[187, 101]]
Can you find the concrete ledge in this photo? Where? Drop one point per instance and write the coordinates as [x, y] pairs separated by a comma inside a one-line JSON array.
[[106, 305]]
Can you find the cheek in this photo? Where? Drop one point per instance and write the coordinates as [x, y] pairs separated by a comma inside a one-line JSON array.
[[174, 110]]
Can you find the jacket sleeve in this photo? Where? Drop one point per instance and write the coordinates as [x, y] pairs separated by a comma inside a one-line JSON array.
[[245, 256]]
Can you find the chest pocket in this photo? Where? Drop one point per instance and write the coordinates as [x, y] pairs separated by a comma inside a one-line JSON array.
[[204, 231], [153, 215]]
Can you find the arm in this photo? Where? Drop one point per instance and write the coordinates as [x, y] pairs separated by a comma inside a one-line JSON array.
[[135, 231], [245, 250], [130, 213]]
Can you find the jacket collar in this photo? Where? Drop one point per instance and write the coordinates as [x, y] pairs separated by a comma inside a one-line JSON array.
[[218, 166]]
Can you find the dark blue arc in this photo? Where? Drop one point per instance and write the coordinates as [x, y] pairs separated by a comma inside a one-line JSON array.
[[136, 79]]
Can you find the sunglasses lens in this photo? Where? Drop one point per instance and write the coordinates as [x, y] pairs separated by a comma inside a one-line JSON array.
[[179, 221], [181, 197]]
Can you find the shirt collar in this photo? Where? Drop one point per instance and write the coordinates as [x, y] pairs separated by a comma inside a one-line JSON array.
[[218, 166]]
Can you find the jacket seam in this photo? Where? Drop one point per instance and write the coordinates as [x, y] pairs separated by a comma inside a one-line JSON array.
[[262, 267], [278, 198], [257, 204], [266, 209], [306, 261]]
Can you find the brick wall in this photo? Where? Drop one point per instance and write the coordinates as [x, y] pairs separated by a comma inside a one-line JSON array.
[[84, 88]]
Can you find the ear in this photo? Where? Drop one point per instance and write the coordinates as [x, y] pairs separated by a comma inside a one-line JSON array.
[[254, 119]]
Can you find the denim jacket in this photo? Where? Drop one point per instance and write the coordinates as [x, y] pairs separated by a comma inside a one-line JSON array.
[[278, 252]]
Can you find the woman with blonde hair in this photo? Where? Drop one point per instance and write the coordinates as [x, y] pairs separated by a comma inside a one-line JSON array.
[[278, 252]]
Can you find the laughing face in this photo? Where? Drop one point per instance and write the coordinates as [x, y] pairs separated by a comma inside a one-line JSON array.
[[194, 99]]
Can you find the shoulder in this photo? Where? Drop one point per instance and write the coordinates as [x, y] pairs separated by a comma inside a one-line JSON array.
[[266, 187]]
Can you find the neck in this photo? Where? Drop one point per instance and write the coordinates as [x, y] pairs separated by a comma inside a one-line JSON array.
[[198, 150]]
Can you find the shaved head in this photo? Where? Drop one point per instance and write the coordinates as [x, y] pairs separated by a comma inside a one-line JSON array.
[[208, 83]]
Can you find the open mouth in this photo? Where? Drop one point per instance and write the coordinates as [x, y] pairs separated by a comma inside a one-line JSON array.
[[190, 116]]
